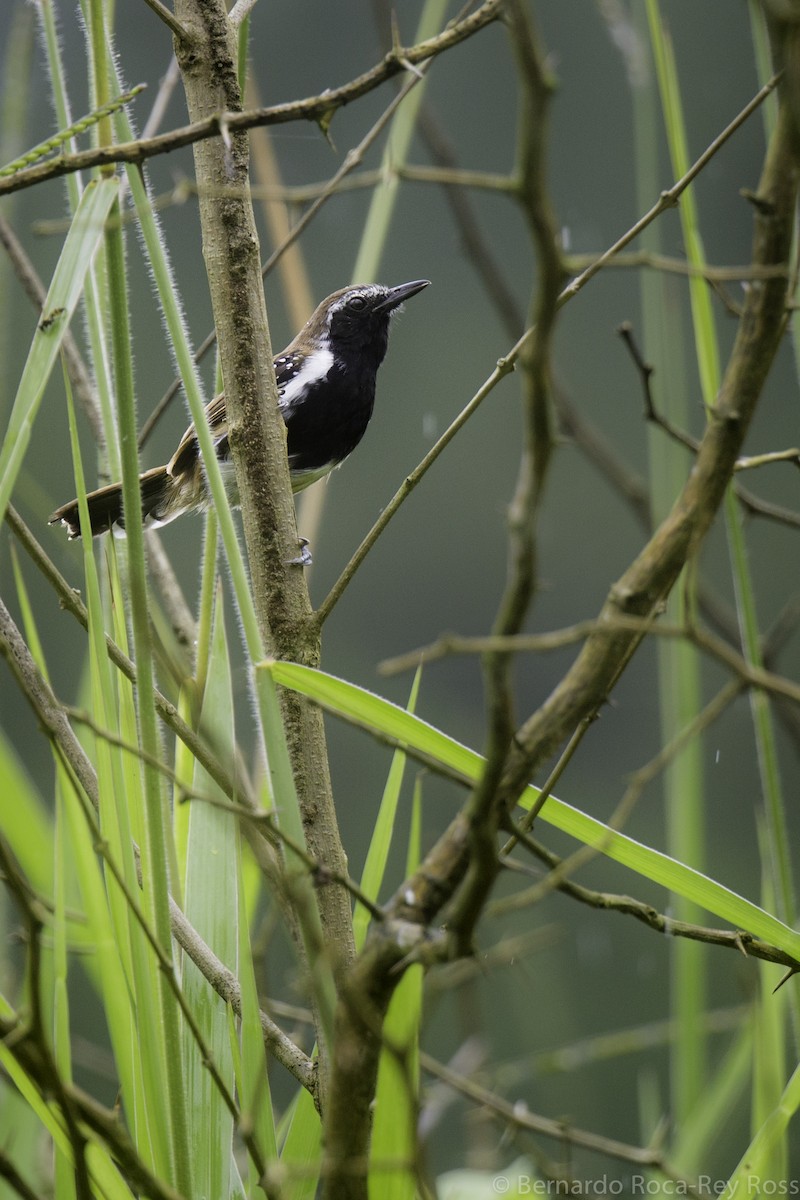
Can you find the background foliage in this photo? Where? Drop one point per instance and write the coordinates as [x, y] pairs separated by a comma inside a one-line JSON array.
[[564, 1007]]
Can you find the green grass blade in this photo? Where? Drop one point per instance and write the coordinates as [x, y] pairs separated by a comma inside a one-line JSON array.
[[253, 1087], [779, 841], [301, 1152], [769, 1059], [25, 824], [680, 688], [381, 840], [699, 292], [212, 906], [16, 106], [81, 243], [694, 1140], [123, 955], [64, 1175], [766, 1142], [394, 1131]]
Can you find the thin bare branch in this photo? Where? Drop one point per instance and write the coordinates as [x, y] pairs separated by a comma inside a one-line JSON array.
[[319, 109], [738, 940], [518, 1117], [170, 20]]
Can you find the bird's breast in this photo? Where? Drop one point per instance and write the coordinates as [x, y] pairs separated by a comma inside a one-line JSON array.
[[328, 419]]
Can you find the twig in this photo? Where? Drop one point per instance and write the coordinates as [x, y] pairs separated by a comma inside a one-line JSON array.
[[241, 11], [646, 372], [750, 502], [49, 1074], [88, 1111], [671, 197], [595, 1048], [757, 507], [679, 266], [169, 19], [517, 1116], [749, 462], [565, 867], [530, 186], [739, 940], [749, 675]]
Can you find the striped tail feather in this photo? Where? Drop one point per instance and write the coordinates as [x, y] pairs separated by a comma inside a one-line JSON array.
[[105, 505]]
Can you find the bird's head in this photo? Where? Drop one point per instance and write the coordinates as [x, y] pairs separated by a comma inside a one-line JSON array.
[[356, 319]]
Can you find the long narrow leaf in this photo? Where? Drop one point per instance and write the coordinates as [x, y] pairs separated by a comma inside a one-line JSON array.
[[388, 720], [84, 237], [394, 1149], [212, 901], [381, 840]]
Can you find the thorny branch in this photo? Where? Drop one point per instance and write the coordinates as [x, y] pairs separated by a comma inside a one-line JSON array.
[[703, 639], [652, 414], [737, 939]]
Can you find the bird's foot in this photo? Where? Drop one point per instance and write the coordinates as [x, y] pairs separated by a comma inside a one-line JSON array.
[[304, 557]]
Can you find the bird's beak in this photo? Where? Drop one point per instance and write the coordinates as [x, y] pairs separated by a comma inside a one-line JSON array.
[[397, 295]]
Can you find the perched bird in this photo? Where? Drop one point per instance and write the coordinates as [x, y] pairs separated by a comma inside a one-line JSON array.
[[326, 387]]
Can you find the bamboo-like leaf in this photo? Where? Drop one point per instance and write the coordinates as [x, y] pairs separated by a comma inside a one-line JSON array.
[[680, 686], [24, 824], [212, 906], [372, 712], [124, 958], [252, 1083], [301, 1151], [769, 1063], [381, 840], [80, 246], [394, 1131], [767, 1140], [65, 135], [64, 1175]]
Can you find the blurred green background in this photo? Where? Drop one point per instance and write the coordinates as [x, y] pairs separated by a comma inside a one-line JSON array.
[[441, 564]]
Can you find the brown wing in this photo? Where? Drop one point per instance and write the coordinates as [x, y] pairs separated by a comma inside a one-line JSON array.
[[188, 452]]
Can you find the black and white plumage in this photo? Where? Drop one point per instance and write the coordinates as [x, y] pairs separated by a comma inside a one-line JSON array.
[[326, 386]]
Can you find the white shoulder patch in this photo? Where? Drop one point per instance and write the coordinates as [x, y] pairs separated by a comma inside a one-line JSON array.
[[315, 367]]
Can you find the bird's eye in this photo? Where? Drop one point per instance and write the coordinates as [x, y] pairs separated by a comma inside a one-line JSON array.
[[357, 303]]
